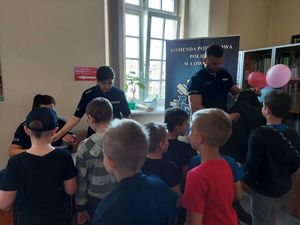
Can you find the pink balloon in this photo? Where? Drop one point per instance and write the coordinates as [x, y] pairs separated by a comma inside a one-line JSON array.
[[278, 76], [257, 79]]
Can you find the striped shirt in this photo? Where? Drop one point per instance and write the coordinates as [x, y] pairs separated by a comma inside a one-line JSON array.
[[93, 179]]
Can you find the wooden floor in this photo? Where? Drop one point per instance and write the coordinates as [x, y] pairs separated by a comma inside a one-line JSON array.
[[6, 218]]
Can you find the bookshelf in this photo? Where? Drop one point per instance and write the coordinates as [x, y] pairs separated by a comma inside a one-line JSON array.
[[253, 60], [264, 58]]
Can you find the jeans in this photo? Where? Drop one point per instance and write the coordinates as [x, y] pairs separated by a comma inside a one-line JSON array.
[[265, 209]]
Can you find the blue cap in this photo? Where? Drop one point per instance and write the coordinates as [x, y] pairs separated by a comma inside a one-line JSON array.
[[41, 119]]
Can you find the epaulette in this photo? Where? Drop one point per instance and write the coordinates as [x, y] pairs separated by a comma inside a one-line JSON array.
[[88, 91]]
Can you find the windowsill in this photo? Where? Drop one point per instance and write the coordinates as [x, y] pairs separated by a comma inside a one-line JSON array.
[[160, 110]]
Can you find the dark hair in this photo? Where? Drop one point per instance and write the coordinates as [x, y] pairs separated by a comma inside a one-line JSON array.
[[214, 50], [157, 133], [100, 109], [38, 134], [38, 125], [42, 100], [175, 117], [279, 102], [105, 73]]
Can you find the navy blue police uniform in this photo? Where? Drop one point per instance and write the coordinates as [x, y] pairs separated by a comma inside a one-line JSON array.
[[116, 97], [213, 88]]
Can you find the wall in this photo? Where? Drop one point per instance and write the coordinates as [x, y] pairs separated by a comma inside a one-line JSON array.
[[41, 42], [264, 23], [285, 18], [250, 19], [218, 18], [196, 18]]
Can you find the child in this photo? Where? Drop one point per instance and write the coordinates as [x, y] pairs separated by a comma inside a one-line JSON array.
[[178, 152], [93, 180], [43, 174], [238, 175], [209, 192], [272, 158], [237, 171], [22, 141], [155, 165], [137, 199]]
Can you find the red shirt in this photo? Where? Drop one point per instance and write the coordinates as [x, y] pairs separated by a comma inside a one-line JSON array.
[[210, 191]]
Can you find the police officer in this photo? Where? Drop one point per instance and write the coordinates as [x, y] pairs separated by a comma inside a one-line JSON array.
[[104, 88], [209, 87], [22, 141]]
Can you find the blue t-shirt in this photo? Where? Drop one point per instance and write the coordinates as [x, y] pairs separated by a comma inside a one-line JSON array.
[[279, 127], [136, 200], [238, 173]]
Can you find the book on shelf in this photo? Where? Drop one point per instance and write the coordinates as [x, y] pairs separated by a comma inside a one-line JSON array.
[[294, 123], [267, 64], [295, 73], [284, 60], [294, 91]]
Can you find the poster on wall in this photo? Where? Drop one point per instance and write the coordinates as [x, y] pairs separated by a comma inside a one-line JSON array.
[[185, 57], [85, 73]]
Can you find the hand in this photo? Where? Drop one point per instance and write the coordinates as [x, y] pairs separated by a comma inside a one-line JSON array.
[[69, 138], [82, 217], [234, 116], [234, 90], [256, 91]]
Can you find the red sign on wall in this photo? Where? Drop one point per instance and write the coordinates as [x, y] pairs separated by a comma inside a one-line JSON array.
[[83, 73]]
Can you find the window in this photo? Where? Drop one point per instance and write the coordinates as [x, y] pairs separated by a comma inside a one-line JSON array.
[[133, 50], [148, 24]]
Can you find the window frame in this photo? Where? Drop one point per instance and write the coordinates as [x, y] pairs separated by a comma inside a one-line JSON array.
[[141, 74], [146, 13], [162, 60]]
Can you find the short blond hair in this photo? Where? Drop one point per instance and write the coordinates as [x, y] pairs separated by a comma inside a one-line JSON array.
[[214, 124], [126, 143]]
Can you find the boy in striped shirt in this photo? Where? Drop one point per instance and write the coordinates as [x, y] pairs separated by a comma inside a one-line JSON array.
[[94, 183]]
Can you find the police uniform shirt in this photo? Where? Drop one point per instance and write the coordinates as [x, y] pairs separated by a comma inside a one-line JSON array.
[[23, 140], [115, 95], [213, 89]]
